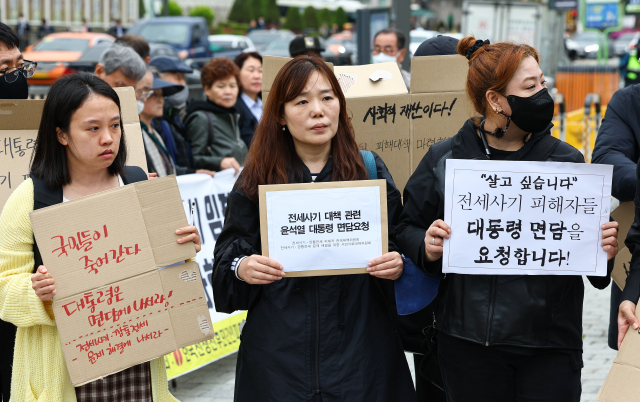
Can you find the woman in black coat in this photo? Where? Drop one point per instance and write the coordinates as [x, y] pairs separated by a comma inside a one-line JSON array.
[[500, 338], [324, 338]]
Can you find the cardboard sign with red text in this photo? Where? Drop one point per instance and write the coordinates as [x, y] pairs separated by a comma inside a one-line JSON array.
[[115, 305]]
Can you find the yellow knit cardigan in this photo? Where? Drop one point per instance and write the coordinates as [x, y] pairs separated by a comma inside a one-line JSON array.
[[39, 370]]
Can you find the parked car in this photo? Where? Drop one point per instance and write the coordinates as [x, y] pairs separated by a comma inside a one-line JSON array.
[[188, 36], [624, 43], [279, 48], [584, 45], [233, 42], [261, 38], [417, 36], [56, 52]]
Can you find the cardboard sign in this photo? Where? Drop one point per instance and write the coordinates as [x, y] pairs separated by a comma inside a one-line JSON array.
[[317, 229], [114, 308], [525, 218], [19, 123], [624, 215], [400, 127], [622, 383]]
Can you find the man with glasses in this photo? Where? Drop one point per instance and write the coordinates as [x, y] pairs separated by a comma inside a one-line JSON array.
[[120, 66], [388, 46], [14, 70]]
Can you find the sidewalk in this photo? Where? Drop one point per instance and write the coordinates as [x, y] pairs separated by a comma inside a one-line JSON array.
[[215, 382]]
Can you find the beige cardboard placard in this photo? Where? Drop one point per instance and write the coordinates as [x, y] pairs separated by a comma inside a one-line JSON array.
[[624, 215], [113, 307], [264, 233], [19, 123], [623, 381]]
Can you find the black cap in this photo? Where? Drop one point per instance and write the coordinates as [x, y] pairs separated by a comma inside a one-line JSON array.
[[439, 46], [301, 44], [168, 88], [170, 64]]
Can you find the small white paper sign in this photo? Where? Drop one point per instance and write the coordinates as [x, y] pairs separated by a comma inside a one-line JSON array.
[[526, 218], [324, 229]]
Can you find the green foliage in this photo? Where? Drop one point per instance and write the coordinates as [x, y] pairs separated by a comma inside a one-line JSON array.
[[341, 17], [240, 11], [231, 28], [203, 11], [325, 16], [174, 9], [141, 9], [310, 18], [255, 9], [272, 12], [293, 20]]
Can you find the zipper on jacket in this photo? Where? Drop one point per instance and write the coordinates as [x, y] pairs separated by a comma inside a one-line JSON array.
[[317, 336], [494, 279], [235, 125]]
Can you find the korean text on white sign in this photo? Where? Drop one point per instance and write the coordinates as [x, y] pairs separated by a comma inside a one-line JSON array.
[[526, 218]]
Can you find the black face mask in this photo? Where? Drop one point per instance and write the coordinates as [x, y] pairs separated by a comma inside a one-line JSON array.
[[17, 89], [534, 113]]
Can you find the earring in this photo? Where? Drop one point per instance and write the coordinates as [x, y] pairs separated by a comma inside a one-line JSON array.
[[284, 128]]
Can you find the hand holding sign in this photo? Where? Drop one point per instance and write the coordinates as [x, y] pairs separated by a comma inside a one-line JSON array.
[[43, 284], [610, 236], [387, 266], [434, 239], [260, 270]]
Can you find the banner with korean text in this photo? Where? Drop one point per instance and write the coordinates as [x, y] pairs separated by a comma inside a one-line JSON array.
[[526, 218], [209, 198]]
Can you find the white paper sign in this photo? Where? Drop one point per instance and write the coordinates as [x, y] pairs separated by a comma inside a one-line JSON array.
[[337, 228], [526, 218]]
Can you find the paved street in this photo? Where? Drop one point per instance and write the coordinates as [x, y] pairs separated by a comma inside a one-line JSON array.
[[214, 383]]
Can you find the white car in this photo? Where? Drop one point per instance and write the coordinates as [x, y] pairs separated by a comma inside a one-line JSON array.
[[233, 42], [417, 36]]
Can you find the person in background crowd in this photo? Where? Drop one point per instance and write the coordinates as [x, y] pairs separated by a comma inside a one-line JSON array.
[[83, 110], [324, 30], [618, 144], [253, 25], [14, 71], [249, 103], [44, 29], [116, 30], [332, 335], [85, 26], [137, 43], [335, 28], [388, 46], [261, 23], [213, 125], [120, 66], [305, 45], [171, 123], [23, 29], [630, 66], [414, 324], [522, 344]]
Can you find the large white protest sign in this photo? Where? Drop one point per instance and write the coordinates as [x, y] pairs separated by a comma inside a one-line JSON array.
[[209, 196], [526, 218], [324, 228]]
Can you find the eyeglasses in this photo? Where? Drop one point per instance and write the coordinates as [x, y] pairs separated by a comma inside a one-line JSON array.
[[11, 74], [388, 50], [142, 95]]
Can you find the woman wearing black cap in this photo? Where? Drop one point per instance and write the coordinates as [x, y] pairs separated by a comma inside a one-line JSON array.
[[500, 338]]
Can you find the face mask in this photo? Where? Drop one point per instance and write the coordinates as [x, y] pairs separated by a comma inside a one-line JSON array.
[[383, 58], [534, 113], [179, 98], [17, 89], [140, 105]]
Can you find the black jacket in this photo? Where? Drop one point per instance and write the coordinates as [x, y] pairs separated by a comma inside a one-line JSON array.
[[514, 310], [184, 159], [248, 121], [618, 141], [328, 334]]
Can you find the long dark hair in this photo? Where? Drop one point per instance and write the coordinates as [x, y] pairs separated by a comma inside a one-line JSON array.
[[272, 150], [49, 159]]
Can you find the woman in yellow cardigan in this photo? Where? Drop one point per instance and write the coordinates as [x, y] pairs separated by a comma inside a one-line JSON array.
[[80, 150]]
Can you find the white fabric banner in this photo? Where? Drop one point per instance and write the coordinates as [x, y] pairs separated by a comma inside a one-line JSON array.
[[526, 218]]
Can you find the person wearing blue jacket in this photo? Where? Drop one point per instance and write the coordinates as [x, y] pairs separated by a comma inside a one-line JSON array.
[[618, 144]]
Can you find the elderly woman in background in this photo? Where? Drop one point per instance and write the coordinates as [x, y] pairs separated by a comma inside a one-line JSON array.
[[249, 103], [213, 125]]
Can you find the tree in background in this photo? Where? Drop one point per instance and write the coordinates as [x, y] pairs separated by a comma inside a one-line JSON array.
[[240, 11], [325, 16], [255, 9], [341, 17], [203, 11], [271, 12], [141, 9], [174, 9], [310, 18], [293, 20]]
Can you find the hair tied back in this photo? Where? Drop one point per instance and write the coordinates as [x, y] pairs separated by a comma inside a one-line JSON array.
[[479, 43]]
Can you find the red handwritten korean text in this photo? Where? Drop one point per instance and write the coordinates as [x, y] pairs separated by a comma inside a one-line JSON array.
[[116, 255], [81, 241], [116, 313], [88, 300]]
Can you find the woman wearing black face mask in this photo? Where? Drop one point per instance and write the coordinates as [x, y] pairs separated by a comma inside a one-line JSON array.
[[500, 338]]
